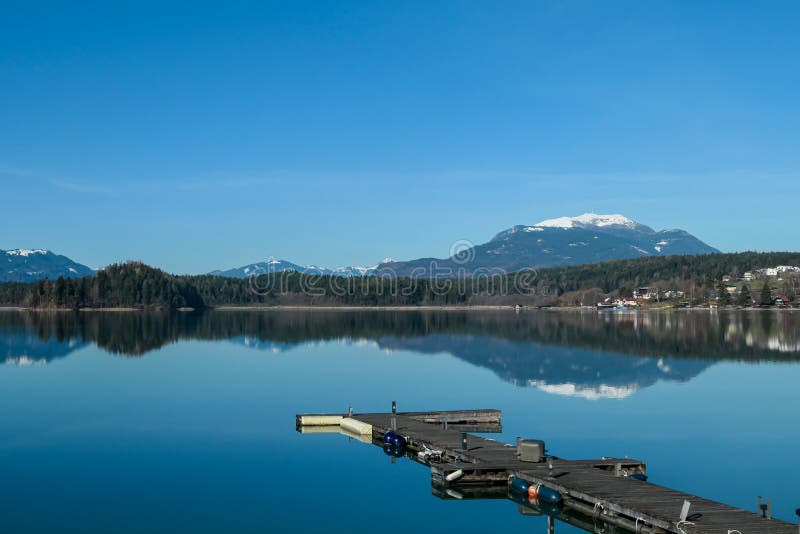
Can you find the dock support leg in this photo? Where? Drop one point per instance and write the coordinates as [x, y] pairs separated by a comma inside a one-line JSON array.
[[463, 441], [551, 525]]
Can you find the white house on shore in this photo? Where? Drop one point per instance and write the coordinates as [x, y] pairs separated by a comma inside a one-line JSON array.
[[770, 272]]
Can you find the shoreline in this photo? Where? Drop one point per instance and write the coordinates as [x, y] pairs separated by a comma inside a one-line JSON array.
[[359, 308], [310, 308]]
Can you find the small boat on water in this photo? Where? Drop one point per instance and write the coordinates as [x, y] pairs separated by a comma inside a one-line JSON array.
[[612, 307], [604, 307]]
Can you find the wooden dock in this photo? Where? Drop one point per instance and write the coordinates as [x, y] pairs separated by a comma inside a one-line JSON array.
[[594, 491]]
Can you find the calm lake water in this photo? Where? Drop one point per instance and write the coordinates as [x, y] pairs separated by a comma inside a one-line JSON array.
[[133, 422]]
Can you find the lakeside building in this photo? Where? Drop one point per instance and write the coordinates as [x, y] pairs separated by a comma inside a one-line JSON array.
[[771, 271], [645, 293]]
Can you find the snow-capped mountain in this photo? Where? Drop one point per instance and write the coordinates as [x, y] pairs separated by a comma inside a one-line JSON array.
[[592, 220], [277, 266], [29, 265], [587, 238]]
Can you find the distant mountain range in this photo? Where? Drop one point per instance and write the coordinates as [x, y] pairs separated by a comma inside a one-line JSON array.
[[29, 265], [587, 238], [277, 266]]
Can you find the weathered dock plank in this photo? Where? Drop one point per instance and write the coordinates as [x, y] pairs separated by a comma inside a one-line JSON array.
[[653, 504]]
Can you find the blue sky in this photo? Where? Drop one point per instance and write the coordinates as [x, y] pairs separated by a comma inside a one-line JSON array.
[[200, 136]]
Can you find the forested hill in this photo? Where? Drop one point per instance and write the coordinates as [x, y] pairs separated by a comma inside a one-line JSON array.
[[131, 284], [136, 285], [668, 272]]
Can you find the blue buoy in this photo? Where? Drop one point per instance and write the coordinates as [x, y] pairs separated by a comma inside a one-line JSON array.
[[638, 476], [519, 486], [533, 503], [549, 496], [394, 439]]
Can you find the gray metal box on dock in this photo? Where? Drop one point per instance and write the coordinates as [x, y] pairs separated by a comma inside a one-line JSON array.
[[530, 450]]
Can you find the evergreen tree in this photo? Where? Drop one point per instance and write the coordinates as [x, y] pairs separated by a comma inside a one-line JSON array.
[[766, 294], [744, 296], [60, 292], [722, 293], [710, 280]]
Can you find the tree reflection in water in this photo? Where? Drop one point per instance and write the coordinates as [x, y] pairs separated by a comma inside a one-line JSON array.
[[572, 353]]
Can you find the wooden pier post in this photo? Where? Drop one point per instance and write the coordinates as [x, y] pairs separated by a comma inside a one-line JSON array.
[[685, 510]]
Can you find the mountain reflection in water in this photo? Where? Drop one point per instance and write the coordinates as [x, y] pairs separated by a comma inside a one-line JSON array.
[[587, 355]]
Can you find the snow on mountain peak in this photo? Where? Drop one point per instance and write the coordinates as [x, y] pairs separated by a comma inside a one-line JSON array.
[[587, 219], [25, 252]]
